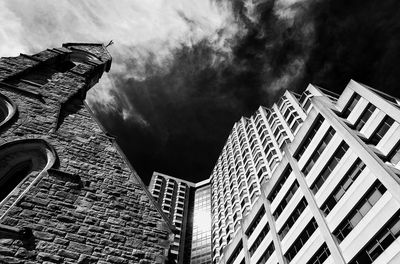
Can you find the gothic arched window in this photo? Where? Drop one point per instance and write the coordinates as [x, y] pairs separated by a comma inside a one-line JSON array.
[[80, 56], [13, 177], [22, 164], [7, 109]]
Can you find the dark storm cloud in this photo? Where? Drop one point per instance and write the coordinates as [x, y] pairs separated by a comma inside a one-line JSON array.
[[358, 40], [191, 108], [188, 113]]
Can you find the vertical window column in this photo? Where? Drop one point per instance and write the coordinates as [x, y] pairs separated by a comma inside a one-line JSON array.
[[348, 179], [383, 128], [320, 256], [359, 211], [394, 155], [384, 174], [318, 151], [310, 135], [329, 167], [301, 240], [267, 254], [379, 243], [364, 117], [271, 222], [350, 106], [319, 218]]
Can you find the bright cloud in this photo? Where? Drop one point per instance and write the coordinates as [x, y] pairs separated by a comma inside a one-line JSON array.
[[142, 31]]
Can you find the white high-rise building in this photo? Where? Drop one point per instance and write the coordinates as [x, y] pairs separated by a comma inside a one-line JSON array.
[[250, 156], [313, 179]]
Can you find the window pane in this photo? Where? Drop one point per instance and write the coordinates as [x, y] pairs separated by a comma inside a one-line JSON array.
[[310, 165], [346, 230], [386, 240], [395, 156], [339, 194], [396, 229], [335, 161], [347, 183], [356, 219], [360, 125], [375, 197], [365, 208], [365, 116], [383, 130], [290, 195], [319, 182], [375, 251], [323, 146]]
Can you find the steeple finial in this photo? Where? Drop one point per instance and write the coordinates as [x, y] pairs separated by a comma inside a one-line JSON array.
[[110, 43]]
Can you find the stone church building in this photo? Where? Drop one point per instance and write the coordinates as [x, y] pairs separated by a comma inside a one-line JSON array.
[[67, 193]]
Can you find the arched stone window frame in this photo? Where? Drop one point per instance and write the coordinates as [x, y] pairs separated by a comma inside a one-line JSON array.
[[9, 159], [78, 56], [7, 109]]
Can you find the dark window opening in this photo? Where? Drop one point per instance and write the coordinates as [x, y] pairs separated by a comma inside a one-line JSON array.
[[350, 105], [350, 176], [321, 255], [310, 135], [267, 254], [292, 218], [318, 151], [259, 239], [329, 167], [383, 128], [7, 109], [380, 242], [288, 196], [13, 177], [280, 183], [235, 253], [3, 112], [359, 211], [301, 240], [64, 66], [364, 116], [394, 155]]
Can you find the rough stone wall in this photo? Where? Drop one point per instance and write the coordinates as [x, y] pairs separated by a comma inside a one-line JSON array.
[[89, 208]]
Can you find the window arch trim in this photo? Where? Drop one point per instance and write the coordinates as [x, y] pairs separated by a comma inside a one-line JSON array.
[[12, 146], [23, 146], [78, 55], [7, 108]]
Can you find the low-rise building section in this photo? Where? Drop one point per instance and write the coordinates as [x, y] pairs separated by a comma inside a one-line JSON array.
[[188, 206]]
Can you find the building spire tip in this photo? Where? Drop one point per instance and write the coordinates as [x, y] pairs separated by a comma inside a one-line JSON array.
[[110, 43]]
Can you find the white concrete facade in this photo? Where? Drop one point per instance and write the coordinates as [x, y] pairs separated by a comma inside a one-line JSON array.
[[330, 193], [249, 158]]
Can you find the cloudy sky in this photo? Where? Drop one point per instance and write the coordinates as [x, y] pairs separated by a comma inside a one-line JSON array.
[[185, 70]]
